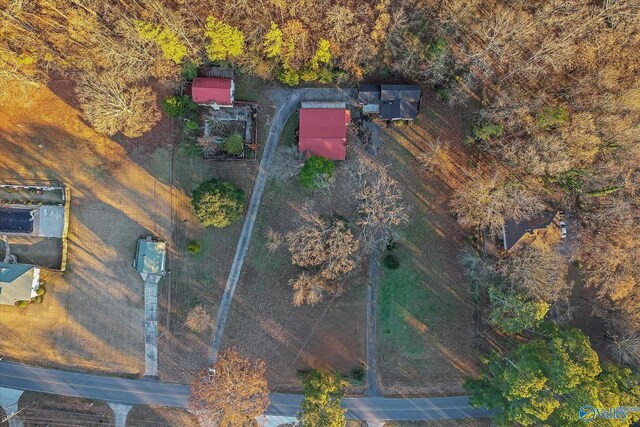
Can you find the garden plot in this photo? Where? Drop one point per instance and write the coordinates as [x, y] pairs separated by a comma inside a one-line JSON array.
[[229, 133]]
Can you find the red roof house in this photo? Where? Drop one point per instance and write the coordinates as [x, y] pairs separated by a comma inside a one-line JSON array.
[[207, 90], [323, 132]]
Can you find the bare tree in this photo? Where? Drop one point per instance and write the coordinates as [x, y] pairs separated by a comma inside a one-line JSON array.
[[112, 107], [308, 289], [487, 202], [233, 392], [538, 272], [326, 243], [198, 319], [274, 240], [626, 349], [380, 206]]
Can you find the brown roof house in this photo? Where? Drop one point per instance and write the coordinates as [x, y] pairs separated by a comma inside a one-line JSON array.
[[18, 282], [517, 234]]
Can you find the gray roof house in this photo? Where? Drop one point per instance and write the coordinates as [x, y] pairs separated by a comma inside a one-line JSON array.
[[369, 98], [391, 101], [399, 102], [18, 282]]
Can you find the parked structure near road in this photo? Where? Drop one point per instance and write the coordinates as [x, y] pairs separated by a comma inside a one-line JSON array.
[[18, 282], [216, 91], [517, 234], [150, 263], [150, 258], [390, 101], [323, 129]]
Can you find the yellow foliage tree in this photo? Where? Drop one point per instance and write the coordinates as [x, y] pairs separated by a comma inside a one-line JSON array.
[[225, 40]]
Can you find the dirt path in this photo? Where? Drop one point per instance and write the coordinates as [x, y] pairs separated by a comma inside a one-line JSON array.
[[372, 330], [287, 100]]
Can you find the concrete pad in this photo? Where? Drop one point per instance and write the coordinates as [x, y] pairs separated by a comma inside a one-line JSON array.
[[51, 221], [151, 324], [120, 412]]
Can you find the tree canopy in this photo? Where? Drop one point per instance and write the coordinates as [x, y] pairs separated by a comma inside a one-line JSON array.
[[322, 396], [233, 392], [547, 380], [218, 203]]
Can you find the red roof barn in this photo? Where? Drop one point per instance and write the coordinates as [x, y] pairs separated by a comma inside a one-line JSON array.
[[207, 90], [323, 132]]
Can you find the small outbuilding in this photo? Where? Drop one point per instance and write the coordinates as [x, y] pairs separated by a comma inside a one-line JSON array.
[[323, 129], [18, 282], [150, 257], [213, 91]]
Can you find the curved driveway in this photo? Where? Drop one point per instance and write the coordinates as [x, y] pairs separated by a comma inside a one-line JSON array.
[[287, 100]]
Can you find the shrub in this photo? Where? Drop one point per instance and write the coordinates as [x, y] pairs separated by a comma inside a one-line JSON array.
[[317, 172], [37, 299], [391, 262], [325, 76], [436, 49], [289, 76], [22, 304], [392, 245], [194, 247], [40, 291], [486, 131], [179, 106], [218, 203], [189, 70], [357, 375], [192, 125], [308, 75], [550, 117], [233, 144]]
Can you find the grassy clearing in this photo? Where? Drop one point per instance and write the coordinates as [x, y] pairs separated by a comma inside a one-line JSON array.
[[425, 330]]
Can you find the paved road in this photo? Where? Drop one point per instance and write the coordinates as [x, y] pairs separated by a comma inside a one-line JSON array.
[[287, 101], [131, 392]]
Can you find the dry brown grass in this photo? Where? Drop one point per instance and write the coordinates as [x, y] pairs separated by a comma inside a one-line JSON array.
[[122, 189], [264, 323]]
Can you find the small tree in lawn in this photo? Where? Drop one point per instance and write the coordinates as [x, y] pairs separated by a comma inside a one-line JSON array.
[[317, 172], [180, 106], [233, 393], [218, 203], [233, 144], [322, 396]]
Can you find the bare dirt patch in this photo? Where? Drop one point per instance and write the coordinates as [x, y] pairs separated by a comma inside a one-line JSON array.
[[143, 416], [41, 409]]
